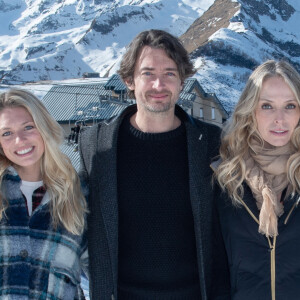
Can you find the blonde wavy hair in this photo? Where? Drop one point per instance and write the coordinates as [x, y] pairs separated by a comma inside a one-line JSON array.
[[67, 204], [242, 128]]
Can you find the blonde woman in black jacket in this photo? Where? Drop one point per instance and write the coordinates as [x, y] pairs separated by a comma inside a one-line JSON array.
[[259, 177]]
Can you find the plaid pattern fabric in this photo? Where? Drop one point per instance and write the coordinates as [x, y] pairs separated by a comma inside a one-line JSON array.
[[37, 197], [36, 261]]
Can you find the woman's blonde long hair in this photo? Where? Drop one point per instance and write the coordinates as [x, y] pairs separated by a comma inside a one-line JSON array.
[[242, 128], [68, 205]]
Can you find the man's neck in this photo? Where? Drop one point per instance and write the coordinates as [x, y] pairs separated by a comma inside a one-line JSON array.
[[155, 122]]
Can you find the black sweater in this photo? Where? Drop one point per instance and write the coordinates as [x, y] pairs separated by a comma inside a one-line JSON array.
[[157, 252]]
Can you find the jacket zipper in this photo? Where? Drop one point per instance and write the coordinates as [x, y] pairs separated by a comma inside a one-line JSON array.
[[272, 247], [273, 271]]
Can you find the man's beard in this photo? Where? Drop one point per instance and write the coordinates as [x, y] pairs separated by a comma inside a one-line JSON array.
[[158, 107]]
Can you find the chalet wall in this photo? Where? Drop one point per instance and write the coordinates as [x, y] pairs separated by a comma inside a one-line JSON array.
[[206, 109]]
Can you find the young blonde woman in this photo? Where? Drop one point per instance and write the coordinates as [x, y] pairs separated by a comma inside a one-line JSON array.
[[42, 208], [259, 176]]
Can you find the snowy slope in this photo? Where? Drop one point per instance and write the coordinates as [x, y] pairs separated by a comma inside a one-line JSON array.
[[258, 31], [62, 39]]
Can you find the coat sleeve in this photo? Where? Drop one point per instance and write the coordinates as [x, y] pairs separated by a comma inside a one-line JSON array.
[[84, 153], [88, 141]]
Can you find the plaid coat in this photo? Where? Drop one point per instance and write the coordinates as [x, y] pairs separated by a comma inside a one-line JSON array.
[[36, 261]]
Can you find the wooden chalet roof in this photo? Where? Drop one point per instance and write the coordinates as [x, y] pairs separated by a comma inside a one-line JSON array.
[[74, 102], [190, 84], [97, 111], [116, 84]]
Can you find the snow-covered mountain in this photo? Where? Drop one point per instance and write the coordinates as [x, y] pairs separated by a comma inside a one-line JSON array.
[[54, 40], [49, 39], [242, 34]]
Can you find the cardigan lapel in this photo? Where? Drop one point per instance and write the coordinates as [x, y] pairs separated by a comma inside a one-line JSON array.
[[106, 160], [200, 194]]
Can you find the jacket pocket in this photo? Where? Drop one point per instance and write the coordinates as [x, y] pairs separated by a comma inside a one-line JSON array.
[[63, 284]]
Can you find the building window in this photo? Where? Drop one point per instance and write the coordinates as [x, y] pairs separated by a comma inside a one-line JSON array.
[[213, 113], [201, 113]]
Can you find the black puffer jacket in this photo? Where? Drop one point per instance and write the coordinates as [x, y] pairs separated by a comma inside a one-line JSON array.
[[261, 268]]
